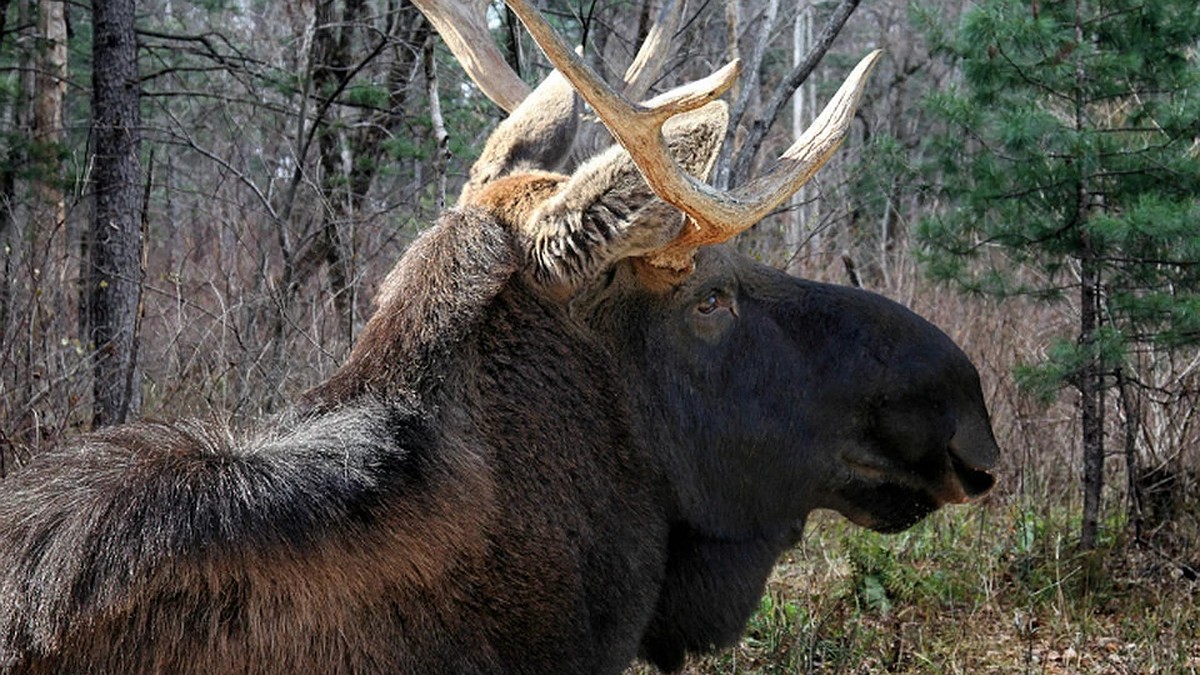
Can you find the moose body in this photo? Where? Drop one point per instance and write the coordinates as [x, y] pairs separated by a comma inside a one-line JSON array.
[[545, 454], [475, 530]]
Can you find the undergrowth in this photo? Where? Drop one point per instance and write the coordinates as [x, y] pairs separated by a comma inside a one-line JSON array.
[[992, 588]]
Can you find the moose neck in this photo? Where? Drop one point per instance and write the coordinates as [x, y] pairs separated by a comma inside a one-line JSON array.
[[433, 298], [683, 394]]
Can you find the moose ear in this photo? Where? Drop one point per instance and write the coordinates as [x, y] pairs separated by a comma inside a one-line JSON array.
[[538, 135], [606, 211]]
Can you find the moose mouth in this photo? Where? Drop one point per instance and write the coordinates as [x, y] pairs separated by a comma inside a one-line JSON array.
[[889, 498], [974, 482], [959, 484]]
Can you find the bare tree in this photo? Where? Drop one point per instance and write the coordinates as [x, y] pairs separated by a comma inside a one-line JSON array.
[[741, 164], [355, 114], [51, 90], [115, 275]]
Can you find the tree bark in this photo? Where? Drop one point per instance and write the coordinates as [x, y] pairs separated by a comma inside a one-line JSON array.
[[51, 89], [1091, 394], [48, 207], [114, 277], [8, 183], [333, 41], [440, 136], [16, 376], [512, 39], [804, 205], [1091, 376], [1133, 466]]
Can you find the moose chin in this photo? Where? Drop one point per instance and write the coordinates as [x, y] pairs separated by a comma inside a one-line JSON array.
[[578, 430]]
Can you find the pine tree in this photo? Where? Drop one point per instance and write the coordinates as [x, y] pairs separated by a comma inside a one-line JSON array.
[[1070, 167]]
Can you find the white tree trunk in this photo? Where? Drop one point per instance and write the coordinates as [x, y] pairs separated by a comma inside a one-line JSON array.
[[804, 205]]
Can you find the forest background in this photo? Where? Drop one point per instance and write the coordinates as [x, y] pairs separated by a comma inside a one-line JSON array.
[[198, 197]]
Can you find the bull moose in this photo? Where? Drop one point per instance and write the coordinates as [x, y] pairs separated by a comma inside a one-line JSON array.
[[577, 431]]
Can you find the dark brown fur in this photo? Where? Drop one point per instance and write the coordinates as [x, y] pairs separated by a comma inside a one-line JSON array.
[[532, 461], [400, 524]]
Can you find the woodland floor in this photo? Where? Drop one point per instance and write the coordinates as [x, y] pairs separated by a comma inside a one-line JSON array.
[[991, 588]]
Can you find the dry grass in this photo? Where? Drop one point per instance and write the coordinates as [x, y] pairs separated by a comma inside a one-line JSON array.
[[996, 588]]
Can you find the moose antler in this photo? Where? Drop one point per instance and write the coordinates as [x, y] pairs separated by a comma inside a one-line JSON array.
[[715, 215], [463, 25]]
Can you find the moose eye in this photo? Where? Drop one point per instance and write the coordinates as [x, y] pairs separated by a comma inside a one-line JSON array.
[[710, 303]]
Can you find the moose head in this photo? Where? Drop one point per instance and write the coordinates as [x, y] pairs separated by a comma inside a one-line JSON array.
[[579, 428], [752, 383]]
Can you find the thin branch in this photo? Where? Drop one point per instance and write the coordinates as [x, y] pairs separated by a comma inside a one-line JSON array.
[[766, 25], [189, 141], [758, 131]]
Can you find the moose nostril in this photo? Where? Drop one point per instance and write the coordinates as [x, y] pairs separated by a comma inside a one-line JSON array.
[[973, 443], [972, 452], [975, 482]]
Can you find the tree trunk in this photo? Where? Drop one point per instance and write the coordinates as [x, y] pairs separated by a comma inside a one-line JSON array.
[[1091, 376], [441, 137], [1091, 393], [802, 224], [14, 118], [333, 41], [1133, 466], [51, 89], [48, 206], [512, 41], [15, 381], [114, 280]]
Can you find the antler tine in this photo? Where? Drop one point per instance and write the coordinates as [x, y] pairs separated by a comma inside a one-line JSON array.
[[636, 127], [627, 121], [716, 216], [731, 213], [463, 26], [652, 55], [814, 147]]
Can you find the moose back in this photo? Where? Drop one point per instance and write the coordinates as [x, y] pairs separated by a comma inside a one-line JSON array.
[[576, 431]]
